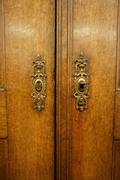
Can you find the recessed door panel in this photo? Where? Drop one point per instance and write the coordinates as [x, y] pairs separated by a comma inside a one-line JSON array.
[[29, 30], [94, 33]]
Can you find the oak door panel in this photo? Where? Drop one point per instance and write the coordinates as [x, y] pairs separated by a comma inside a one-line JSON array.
[[94, 33], [117, 116], [3, 136], [29, 29], [2, 48], [85, 139], [3, 159], [116, 167]]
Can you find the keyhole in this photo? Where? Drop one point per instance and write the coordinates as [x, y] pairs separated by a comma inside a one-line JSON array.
[[38, 85], [81, 87]]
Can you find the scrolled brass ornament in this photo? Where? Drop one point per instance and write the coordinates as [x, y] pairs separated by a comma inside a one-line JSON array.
[[39, 83], [81, 82]]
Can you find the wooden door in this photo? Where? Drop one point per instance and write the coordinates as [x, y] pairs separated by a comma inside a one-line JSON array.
[[27, 28], [85, 140], [87, 143]]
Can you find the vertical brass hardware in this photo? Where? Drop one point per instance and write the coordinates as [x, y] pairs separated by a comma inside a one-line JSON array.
[[81, 83], [39, 83]]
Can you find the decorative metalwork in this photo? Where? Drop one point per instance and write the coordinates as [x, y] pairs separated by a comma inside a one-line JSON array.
[[81, 83], [39, 83]]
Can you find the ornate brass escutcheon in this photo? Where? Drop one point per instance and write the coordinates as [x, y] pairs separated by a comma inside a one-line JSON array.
[[39, 83], [81, 83]]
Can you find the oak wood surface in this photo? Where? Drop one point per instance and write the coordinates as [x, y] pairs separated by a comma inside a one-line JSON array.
[[94, 33], [63, 89], [3, 137], [3, 115], [2, 58], [118, 49], [29, 29], [88, 135], [92, 130], [116, 172], [85, 140], [117, 116], [3, 159]]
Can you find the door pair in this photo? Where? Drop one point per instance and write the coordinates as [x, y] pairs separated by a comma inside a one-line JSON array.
[[58, 139]]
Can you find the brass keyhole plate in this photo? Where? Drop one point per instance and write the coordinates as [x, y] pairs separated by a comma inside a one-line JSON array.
[[39, 83], [81, 83]]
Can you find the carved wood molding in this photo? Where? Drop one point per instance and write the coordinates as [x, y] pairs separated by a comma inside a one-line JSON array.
[[117, 116], [3, 115], [63, 89], [2, 45], [118, 51]]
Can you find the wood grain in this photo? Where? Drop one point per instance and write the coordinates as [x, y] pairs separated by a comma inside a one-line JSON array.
[[3, 159], [29, 29], [94, 33], [117, 116], [85, 140], [2, 58], [116, 171], [3, 115], [118, 50], [63, 89]]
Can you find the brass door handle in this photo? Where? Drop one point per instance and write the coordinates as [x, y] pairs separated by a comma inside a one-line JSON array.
[[39, 83], [81, 83]]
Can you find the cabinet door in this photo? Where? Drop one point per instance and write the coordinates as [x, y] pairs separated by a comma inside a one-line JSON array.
[[28, 30], [85, 139]]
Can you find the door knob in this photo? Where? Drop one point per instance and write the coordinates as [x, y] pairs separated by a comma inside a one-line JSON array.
[[81, 83], [39, 83]]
